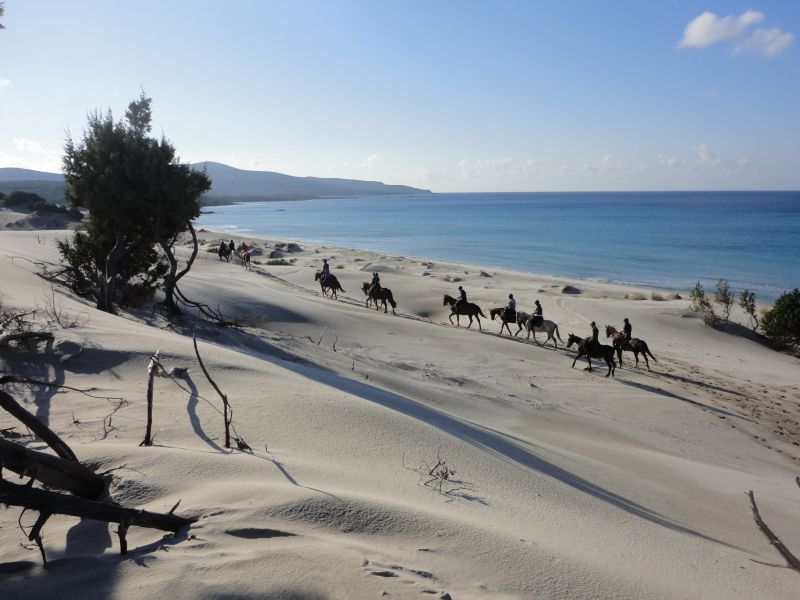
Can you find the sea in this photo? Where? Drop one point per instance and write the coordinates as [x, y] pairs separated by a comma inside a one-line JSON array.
[[660, 239]]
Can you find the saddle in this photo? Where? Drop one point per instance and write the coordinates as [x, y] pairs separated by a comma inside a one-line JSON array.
[[537, 320]]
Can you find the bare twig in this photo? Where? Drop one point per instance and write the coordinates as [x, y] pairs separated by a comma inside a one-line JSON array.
[[152, 367], [27, 380], [790, 558], [225, 404], [40, 429]]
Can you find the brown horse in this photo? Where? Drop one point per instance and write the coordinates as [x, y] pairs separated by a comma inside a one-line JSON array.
[[381, 295], [329, 283], [635, 345], [469, 309], [502, 313], [590, 349], [224, 251]]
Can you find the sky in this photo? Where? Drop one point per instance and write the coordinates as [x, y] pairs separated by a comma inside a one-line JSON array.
[[453, 96]]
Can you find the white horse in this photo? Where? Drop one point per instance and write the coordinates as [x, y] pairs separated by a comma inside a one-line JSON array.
[[548, 327]]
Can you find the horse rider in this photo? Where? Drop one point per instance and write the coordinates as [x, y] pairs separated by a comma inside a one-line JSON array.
[[595, 334], [376, 284], [511, 309], [223, 247], [326, 270], [232, 247], [244, 247], [537, 314], [462, 299], [624, 335]]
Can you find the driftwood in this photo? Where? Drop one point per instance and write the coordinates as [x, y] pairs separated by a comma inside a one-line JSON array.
[[26, 336], [227, 414], [790, 558], [36, 426], [152, 368], [51, 470], [51, 503]]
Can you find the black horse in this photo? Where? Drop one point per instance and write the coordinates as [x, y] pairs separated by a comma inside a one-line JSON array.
[[380, 295], [591, 349], [328, 283]]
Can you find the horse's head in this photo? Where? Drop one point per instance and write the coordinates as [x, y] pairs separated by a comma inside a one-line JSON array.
[[365, 287], [610, 330], [448, 300], [317, 276], [493, 312], [573, 339]]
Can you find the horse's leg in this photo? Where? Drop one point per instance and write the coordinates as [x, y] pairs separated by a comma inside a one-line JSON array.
[[519, 328], [470, 321], [609, 363], [385, 307], [589, 360], [647, 362], [636, 356]]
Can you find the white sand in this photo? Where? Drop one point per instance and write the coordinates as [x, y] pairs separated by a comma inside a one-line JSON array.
[[572, 485]]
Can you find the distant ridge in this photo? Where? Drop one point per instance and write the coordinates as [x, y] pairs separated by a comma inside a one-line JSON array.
[[229, 184]]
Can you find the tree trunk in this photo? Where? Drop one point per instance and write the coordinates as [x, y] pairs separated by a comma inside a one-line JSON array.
[[52, 471], [110, 276], [40, 429]]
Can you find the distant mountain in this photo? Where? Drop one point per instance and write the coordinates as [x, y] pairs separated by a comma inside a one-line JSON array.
[[240, 184], [228, 185]]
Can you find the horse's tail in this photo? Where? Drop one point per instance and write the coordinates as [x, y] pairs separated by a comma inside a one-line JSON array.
[[647, 349], [480, 312], [391, 299], [339, 287], [558, 335]]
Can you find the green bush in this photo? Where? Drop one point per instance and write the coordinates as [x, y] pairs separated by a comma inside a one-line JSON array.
[[782, 323]]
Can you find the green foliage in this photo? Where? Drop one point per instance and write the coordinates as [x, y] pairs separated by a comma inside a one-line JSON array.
[[782, 323], [747, 300], [701, 304], [138, 196], [23, 200], [724, 296], [2, 12]]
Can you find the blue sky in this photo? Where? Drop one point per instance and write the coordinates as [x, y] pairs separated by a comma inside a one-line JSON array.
[[447, 95]]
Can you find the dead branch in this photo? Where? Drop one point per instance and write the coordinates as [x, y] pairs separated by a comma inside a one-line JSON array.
[[225, 405], [790, 558], [152, 367], [51, 503], [27, 380], [27, 336], [51, 470], [40, 429]]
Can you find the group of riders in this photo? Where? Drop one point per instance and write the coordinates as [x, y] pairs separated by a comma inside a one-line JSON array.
[[625, 335], [374, 287], [228, 249]]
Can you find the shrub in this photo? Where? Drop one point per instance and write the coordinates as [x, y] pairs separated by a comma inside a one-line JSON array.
[[635, 296], [656, 296], [278, 262], [782, 323], [701, 304], [724, 297], [747, 300]]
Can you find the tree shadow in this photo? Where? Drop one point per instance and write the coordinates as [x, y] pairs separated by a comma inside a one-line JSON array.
[[194, 419]]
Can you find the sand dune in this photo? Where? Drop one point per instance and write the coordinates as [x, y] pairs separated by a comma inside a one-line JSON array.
[[566, 484]]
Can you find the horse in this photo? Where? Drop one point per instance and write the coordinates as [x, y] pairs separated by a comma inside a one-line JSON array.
[[546, 326], [224, 252], [469, 309], [592, 350], [634, 345], [328, 283], [501, 312], [382, 294], [244, 258]]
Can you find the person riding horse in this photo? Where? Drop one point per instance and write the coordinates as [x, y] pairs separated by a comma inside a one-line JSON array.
[[538, 319], [595, 341], [223, 247], [232, 247], [511, 310], [326, 270], [462, 299], [376, 284], [625, 335]]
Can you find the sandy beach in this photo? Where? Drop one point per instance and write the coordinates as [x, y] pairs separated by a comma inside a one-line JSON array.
[[567, 484]]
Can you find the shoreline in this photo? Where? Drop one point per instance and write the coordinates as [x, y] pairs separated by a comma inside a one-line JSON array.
[[624, 286]]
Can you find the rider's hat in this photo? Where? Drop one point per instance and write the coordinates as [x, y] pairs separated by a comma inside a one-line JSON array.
[[536, 302], [511, 295], [625, 319], [592, 322]]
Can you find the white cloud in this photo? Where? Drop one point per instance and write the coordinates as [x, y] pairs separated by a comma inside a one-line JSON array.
[[371, 161], [475, 168], [731, 166], [766, 42], [4, 83], [670, 162], [708, 28], [705, 155], [31, 155]]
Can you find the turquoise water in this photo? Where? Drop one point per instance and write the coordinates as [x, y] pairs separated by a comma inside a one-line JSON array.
[[662, 239]]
